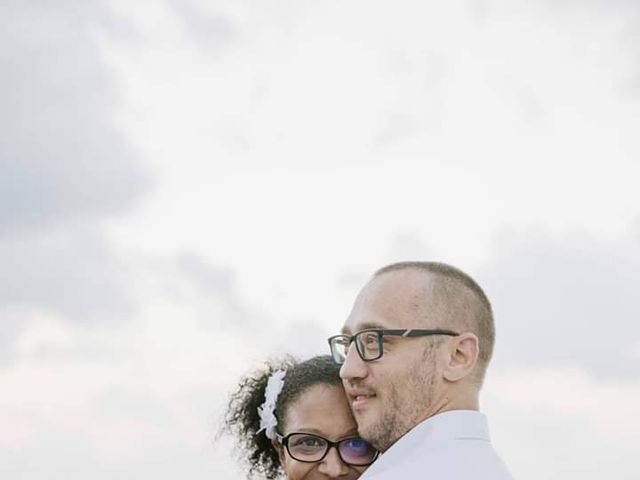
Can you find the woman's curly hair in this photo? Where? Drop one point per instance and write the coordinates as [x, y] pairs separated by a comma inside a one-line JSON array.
[[242, 420]]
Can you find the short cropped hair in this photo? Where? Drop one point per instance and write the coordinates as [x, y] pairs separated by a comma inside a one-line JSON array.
[[459, 301]]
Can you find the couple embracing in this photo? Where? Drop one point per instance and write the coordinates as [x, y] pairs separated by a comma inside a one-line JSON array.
[[397, 398]]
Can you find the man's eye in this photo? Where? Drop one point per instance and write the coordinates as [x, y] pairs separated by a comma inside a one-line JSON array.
[[370, 339]]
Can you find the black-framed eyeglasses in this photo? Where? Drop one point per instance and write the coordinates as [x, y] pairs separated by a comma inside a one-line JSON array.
[[369, 342], [309, 448]]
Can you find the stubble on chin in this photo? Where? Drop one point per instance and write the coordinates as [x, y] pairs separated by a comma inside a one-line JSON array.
[[382, 432], [403, 411]]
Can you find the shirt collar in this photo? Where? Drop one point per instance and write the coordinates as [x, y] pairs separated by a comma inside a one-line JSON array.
[[451, 425], [432, 433]]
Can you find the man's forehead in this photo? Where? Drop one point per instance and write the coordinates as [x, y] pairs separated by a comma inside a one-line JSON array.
[[390, 300]]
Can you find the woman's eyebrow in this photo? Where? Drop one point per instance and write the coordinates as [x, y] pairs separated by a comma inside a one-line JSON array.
[[314, 431], [311, 431]]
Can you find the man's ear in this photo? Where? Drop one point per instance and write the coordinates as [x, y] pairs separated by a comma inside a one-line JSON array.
[[463, 356], [280, 449]]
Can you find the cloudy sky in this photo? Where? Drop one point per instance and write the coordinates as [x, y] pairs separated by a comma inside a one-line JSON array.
[[188, 187]]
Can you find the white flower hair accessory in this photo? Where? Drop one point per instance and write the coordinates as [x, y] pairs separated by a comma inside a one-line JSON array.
[[266, 411]]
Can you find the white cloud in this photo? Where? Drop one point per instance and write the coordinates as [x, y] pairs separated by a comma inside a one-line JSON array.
[[73, 272], [566, 300], [298, 146], [122, 393], [561, 421], [62, 158]]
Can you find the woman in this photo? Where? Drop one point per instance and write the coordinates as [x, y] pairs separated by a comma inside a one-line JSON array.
[[293, 418]]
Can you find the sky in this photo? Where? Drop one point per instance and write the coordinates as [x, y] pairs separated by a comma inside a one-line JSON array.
[[189, 187]]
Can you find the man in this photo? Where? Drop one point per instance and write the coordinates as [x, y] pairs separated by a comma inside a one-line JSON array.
[[415, 349]]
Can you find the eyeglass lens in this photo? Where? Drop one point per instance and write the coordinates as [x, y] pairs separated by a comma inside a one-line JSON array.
[[311, 448], [367, 344], [339, 346], [357, 451]]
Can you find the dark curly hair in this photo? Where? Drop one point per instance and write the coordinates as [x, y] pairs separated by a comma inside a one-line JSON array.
[[242, 420]]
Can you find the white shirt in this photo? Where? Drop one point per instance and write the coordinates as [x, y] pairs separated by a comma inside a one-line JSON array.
[[453, 445]]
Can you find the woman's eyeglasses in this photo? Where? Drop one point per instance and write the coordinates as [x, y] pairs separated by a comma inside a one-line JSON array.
[[308, 448]]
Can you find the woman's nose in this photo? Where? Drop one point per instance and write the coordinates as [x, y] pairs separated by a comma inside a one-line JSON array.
[[332, 465]]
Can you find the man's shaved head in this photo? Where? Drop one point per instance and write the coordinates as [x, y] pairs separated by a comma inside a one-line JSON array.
[[454, 300]]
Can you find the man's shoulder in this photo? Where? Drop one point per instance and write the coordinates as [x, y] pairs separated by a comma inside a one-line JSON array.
[[461, 461], [453, 445]]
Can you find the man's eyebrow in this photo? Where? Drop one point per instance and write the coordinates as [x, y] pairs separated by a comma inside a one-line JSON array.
[[363, 326]]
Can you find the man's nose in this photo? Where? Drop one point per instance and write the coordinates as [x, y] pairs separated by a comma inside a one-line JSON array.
[[332, 465], [353, 366]]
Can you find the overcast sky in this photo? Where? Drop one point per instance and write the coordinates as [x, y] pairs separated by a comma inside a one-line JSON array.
[[188, 187]]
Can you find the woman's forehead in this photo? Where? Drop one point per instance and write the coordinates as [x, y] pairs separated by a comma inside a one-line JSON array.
[[322, 409]]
